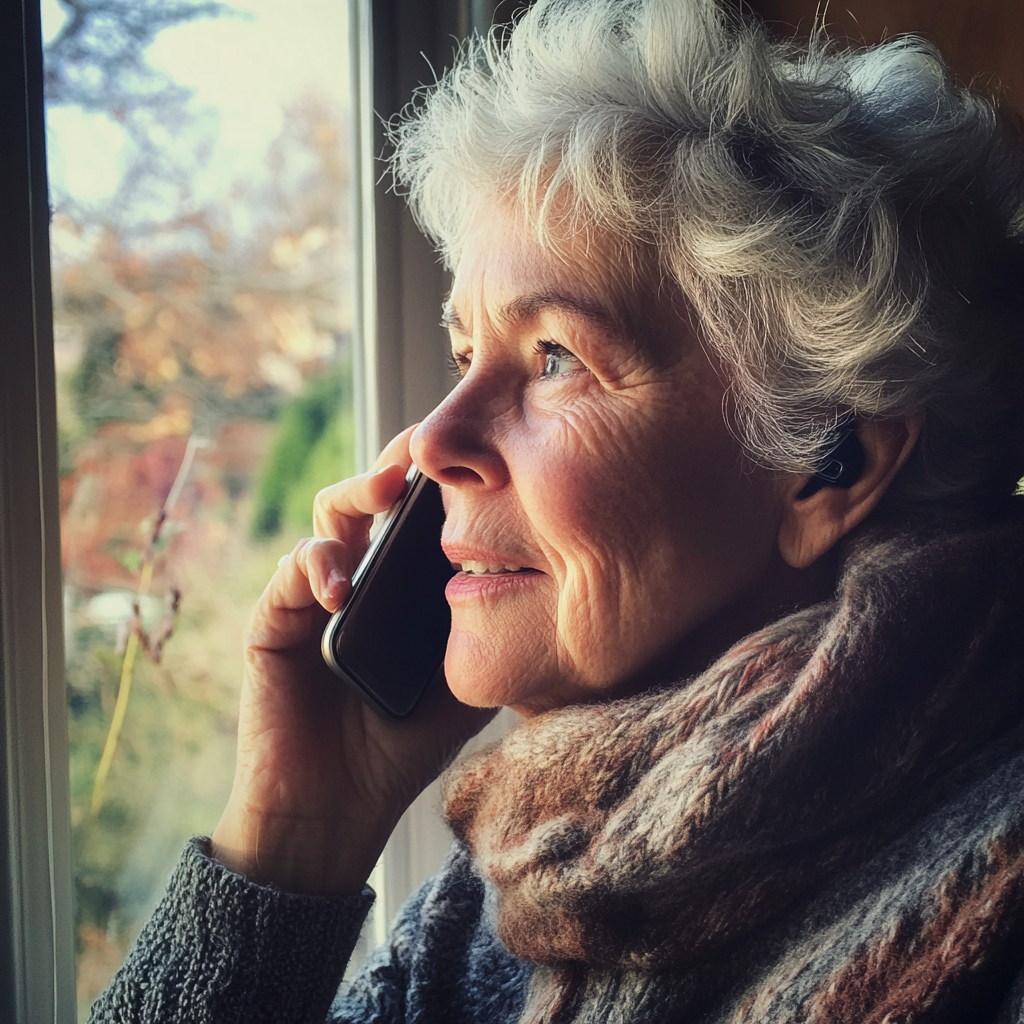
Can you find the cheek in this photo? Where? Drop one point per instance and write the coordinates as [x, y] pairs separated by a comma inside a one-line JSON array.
[[580, 478], [649, 521], [572, 483], [601, 481]]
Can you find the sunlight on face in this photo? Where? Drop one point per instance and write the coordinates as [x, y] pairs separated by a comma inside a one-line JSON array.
[[597, 503]]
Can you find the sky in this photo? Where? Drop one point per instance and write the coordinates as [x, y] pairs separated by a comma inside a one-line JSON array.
[[242, 70]]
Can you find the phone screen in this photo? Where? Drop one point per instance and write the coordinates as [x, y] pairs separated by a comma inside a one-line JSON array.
[[389, 638]]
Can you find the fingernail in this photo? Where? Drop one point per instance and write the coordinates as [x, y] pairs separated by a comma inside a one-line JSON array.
[[336, 581], [283, 559]]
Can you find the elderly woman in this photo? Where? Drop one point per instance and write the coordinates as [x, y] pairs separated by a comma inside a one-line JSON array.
[[729, 475]]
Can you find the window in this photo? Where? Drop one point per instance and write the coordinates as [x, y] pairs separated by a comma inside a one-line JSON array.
[[201, 267], [396, 363]]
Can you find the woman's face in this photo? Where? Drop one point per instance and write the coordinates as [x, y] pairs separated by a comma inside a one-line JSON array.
[[597, 505]]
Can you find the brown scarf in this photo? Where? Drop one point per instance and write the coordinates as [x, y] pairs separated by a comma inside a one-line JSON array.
[[826, 825]]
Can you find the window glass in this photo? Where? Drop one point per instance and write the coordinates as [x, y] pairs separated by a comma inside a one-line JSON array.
[[199, 172]]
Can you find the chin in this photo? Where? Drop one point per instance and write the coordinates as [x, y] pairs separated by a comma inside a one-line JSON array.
[[477, 673]]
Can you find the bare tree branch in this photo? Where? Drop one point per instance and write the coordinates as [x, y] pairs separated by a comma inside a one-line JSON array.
[[98, 59]]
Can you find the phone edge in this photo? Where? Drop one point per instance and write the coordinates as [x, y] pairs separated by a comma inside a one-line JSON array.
[[375, 551]]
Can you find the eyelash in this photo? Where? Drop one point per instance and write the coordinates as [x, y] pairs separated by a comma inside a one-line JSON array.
[[458, 363]]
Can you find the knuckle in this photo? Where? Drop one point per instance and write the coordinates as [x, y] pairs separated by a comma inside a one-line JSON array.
[[324, 497]]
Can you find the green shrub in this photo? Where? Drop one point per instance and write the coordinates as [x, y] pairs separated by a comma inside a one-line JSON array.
[[313, 446]]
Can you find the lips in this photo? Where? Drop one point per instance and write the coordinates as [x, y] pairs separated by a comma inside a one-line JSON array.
[[484, 570]]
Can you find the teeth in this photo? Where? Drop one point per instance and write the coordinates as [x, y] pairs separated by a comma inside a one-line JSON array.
[[488, 568]]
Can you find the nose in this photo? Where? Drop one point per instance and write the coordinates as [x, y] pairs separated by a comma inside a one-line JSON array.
[[456, 444]]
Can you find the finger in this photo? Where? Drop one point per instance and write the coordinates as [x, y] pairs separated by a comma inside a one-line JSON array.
[[365, 495], [345, 510], [314, 574], [397, 450], [328, 571]]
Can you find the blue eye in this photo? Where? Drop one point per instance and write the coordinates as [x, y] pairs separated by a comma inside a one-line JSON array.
[[558, 360]]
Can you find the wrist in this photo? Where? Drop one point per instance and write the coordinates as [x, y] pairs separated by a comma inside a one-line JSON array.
[[312, 857]]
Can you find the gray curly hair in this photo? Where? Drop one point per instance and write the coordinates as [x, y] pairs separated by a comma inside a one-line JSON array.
[[845, 225]]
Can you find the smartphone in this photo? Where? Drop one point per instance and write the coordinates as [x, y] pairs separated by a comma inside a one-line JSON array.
[[388, 639]]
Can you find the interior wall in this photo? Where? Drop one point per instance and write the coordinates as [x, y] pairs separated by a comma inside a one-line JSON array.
[[982, 40]]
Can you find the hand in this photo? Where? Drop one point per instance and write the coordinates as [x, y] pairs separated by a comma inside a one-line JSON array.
[[320, 779]]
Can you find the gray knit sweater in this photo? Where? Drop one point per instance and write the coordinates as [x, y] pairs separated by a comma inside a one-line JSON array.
[[220, 950]]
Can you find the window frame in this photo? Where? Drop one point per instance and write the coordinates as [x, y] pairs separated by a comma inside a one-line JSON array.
[[36, 942]]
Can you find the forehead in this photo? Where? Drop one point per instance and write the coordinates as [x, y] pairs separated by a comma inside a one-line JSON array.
[[508, 277], [505, 272]]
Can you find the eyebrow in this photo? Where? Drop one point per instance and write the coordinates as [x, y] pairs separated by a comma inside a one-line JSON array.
[[526, 308]]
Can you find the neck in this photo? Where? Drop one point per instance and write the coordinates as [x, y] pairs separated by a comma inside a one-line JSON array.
[[781, 591]]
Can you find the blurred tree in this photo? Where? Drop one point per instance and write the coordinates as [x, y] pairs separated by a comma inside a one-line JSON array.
[[310, 424], [190, 322], [97, 60]]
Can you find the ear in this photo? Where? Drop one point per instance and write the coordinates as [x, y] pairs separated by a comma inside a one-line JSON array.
[[811, 526]]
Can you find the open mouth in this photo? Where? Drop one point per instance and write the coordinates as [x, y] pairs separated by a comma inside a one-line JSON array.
[[491, 569]]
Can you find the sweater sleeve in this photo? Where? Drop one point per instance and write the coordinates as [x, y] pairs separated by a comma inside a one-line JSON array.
[[222, 950]]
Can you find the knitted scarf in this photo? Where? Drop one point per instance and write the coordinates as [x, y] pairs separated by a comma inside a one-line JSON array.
[[826, 825]]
